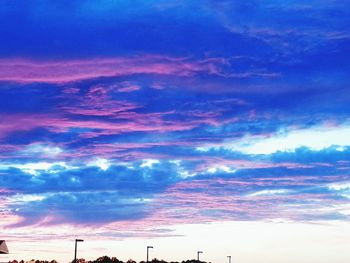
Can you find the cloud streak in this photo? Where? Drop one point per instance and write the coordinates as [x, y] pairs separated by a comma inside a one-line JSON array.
[[19, 70]]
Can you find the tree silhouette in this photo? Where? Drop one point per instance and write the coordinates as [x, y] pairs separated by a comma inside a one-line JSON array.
[[106, 259]]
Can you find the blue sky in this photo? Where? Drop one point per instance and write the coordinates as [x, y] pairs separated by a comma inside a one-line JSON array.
[[139, 118]]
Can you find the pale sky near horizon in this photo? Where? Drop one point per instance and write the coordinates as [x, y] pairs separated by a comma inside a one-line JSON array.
[[248, 242]]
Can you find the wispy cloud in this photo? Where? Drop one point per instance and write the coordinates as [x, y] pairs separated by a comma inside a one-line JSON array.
[[20, 70]]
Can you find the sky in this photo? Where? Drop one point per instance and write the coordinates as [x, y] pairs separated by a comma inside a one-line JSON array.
[[213, 125]]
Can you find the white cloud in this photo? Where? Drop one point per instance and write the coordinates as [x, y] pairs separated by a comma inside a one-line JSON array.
[[345, 186], [222, 168], [342, 189], [35, 168], [149, 163], [287, 141], [102, 163], [26, 198], [48, 150], [270, 192], [185, 174]]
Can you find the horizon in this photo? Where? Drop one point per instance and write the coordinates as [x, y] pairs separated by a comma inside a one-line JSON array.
[[253, 240], [219, 126]]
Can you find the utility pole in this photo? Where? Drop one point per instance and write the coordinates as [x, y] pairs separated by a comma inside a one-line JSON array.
[[75, 249], [198, 252], [148, 247]]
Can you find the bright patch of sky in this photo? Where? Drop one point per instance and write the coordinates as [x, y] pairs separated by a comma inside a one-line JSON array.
[[270, 192], [102, 163], [26, 197], [316, 139], [35, 168], [50, 151], [149, 163], [221, 168], [340, 186], [343, 189]]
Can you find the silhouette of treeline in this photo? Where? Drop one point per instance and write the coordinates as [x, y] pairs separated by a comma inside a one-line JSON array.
[[32, 261], [106, 259]]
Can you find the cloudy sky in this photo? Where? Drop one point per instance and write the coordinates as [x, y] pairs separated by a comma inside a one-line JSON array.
[[188, 125]]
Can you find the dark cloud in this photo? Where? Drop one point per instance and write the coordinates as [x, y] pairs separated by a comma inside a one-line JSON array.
[[82, 208]]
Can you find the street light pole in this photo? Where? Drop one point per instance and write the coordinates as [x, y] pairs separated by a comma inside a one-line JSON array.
[[75, 249], [198, 252], [229, 259], [148, 247]]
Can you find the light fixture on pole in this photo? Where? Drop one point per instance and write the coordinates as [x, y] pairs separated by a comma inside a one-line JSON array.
[[75, 249], [198, 252], [148, 247]]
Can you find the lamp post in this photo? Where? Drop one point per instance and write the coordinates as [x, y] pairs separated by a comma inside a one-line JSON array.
[[229, 259], [75, 249], [198, 252], [148, 247]]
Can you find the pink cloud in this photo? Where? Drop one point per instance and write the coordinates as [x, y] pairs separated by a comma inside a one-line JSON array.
[[21, 70], [17, 122], [204, 200], [8, 148], [58, 123], [127, 86], [97, 101], [5, 191], [158, 86]]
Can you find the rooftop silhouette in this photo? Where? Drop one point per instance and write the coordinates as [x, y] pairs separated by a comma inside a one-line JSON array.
[[3, 247]]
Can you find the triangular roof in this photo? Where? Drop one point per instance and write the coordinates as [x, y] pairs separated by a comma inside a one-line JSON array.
[[3, 247]]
